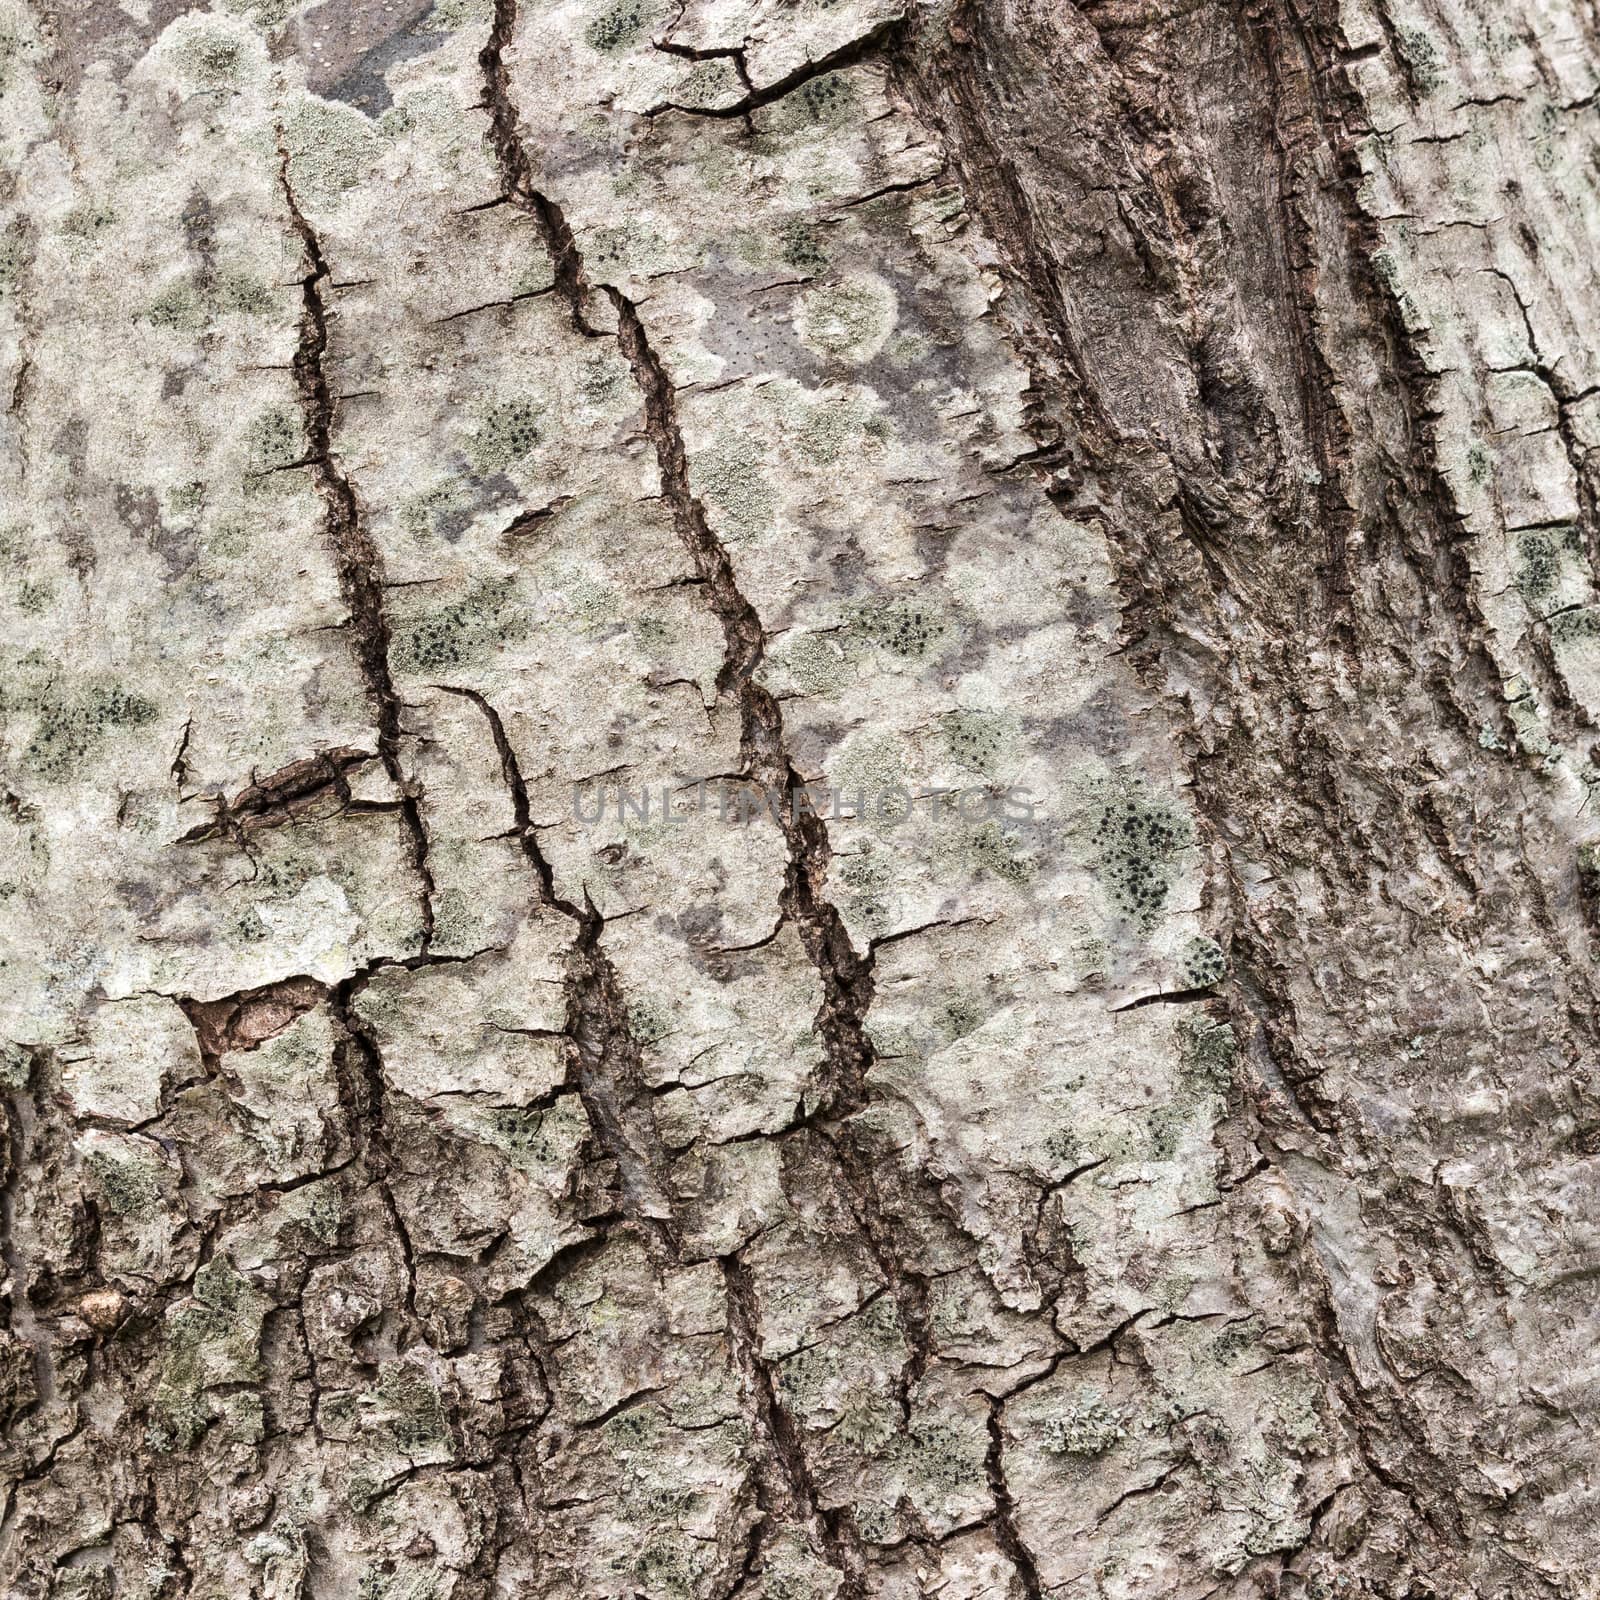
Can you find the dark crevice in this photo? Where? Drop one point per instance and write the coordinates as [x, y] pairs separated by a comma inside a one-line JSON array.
[[516, 175], [1006, 1533], [606, 1054], [246, 1020], [356, 558], [849, 54], [283, 796], [832, 1529], [604, 1058]]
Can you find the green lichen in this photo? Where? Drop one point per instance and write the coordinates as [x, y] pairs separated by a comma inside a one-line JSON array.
[[847, 321], [210, 57], [1581, 625], [821, 103], [729, 477], [275, 439], [13, 255], [449, 15], [621, 24], [815, 663], [211, 1339], [910, 628], [1085, 1426], [87, 224], [75, 721], [649, 1022], [264, 13], [1137, 840], [1006, 853], [1202, 963], [16, 1067], [800, 247], [35, 597], [126, 1184], [1420, 59], [976, 740], [410, 1408], [506, 431], [533, 1140], [440, 511], [487, 616], [332, 146], [1538, 567], [1207, 1051], [959, 1015]]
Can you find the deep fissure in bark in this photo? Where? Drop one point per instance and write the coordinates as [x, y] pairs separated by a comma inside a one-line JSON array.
[[604, 1056], [844, 973], [831, 1530], [356, 558]]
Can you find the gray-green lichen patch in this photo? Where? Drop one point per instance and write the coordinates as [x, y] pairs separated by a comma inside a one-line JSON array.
[[1138, 841], [821, 103], [913, 629], [190, 304], [504, 432], [1551, 567], [210, 1339], [210, 54], [732, 477], [1085, 1425], [849, 321], [74, 719], [1201, 963], [622, 23], [435, 642], [332, 148], [980, 741], [275, 439]]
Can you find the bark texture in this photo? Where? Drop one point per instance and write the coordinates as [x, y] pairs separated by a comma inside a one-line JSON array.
[[420, 1187]]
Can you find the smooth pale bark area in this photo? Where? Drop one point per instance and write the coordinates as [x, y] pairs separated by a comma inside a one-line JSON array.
[[472, 1132]]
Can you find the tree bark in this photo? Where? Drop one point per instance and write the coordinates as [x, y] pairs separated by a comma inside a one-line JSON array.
[[796, 800]]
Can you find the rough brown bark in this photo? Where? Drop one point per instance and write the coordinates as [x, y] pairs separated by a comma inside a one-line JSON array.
[[815, 427]]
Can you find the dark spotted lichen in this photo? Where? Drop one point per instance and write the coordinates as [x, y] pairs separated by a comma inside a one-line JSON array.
[[125, 1185], [910, 628], [1539, 566], [451, 636], [975, 739], [74, 722], [618, 26], [1137, 839], [275, 439], [507, 430], [801, 247], [1577, 626], [1202, 964], [212, 1339]]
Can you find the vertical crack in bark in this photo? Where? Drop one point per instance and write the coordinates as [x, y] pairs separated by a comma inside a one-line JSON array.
[[517, 176], [1006, 1533], [356, 557], [358, 1068], [844, 973], [832, 1530], [605, 1067], [20, 1319]]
